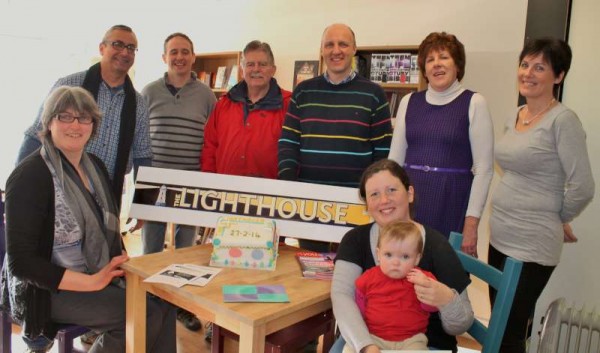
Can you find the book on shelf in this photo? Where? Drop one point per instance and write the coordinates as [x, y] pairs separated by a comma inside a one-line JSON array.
[[393, 68], [205, 77], [393, 101], [211, 82], [394, 97], [404, 68], [359, 64], [305, 70], [316, 265], [220, 77], [414, 69], [232, 78], [378, 72]]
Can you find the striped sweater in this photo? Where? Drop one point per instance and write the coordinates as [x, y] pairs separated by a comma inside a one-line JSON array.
[[332, 132], [177, 122]]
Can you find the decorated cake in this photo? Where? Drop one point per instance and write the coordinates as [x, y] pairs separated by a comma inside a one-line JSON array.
[[245, 242]]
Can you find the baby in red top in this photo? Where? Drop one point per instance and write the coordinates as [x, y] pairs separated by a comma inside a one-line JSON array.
[[394, 316]]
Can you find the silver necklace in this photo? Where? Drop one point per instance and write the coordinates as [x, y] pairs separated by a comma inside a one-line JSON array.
[[527, 122]]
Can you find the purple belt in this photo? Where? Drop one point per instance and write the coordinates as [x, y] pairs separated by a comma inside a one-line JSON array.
[[427, 168]]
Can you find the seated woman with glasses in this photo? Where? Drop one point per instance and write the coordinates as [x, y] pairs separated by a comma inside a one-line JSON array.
[[64, 250]]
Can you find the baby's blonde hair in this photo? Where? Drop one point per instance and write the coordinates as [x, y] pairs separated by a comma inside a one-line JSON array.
[[401, 230]]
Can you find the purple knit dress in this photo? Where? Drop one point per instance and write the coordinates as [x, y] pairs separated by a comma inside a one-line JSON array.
[[438, 137]]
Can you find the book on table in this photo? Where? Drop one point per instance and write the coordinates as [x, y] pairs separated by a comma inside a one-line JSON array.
[[316, 265], [249, 293]]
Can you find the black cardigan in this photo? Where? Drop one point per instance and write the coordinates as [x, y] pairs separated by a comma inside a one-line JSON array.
[[29, 242]]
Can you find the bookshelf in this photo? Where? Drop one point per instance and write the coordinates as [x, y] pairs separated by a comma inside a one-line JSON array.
[[369, 58], [210, 63]]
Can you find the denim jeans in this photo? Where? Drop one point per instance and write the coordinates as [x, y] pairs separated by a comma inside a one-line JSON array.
[[153, 236], [338, 345]]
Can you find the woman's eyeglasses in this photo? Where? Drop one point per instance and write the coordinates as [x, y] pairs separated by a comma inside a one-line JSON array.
[[69, 118]]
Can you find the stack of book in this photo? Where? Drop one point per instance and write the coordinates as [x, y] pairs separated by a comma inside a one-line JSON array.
[[316, 265]]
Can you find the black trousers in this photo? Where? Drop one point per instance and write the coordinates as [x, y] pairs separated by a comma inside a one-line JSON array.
[[532, 282]]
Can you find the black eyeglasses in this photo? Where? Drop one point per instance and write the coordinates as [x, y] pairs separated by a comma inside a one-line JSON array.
[[119, 46], [69, 118]]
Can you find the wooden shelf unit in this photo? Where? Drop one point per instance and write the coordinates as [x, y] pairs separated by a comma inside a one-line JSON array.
[[210, 62]]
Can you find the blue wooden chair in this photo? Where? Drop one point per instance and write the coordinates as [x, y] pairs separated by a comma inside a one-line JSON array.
[[504, 282], [66, 333]]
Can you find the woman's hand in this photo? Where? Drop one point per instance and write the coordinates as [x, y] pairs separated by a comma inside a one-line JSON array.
[[569, 235], [430, 291], [82, 282], [103, 277], [469, 244]]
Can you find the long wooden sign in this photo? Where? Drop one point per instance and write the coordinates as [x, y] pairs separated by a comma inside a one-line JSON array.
[[300, 210]]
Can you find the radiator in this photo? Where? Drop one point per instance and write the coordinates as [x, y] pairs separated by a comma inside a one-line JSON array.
[[569, 330]]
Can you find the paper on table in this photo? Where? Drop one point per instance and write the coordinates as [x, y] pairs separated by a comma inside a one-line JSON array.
[[180, 275]]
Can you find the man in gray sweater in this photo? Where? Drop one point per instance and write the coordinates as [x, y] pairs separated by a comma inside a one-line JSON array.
[[179, 106]]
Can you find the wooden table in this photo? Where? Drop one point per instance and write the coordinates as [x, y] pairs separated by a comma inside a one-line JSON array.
[[251, 321]]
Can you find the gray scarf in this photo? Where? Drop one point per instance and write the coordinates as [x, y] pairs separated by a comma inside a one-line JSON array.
[[96, 215]]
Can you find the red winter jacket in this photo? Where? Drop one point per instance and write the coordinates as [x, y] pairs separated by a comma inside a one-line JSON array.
[[241, 138]]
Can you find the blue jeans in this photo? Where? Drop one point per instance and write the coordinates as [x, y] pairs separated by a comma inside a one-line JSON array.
[[153, 236], [338, 345]]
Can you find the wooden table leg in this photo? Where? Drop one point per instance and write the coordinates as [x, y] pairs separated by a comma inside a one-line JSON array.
[[135, 326], [252, 338]]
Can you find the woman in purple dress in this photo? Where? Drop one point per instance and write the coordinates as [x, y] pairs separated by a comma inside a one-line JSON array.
[[444, 138]]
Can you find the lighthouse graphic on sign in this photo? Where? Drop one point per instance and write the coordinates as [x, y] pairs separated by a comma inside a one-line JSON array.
[[161, 200]]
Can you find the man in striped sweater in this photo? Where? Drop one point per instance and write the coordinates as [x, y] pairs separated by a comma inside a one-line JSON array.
[[337, 124], [179, 106]]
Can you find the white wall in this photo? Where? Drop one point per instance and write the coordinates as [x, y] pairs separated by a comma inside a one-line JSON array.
[[577, 278], [42, 41]]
